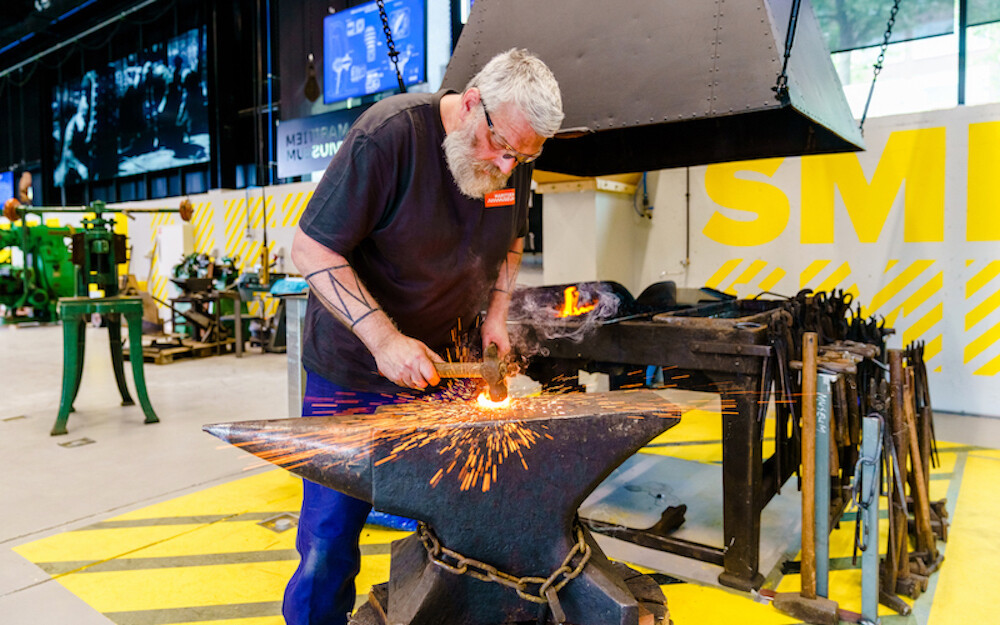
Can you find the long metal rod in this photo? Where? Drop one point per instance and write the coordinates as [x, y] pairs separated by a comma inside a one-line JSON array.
[[824, 411], [963, 24], [871, 439], [74, 39]]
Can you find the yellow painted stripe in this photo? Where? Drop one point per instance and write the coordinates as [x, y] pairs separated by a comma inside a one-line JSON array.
[[990, 369], [981, 342], [933, 347], [272, 211], [982, 277], [810, 272], [301, 209], [834, 279], [921, 295], [923, 325], [897, 284], [962, 594], [747, 275], [721, 273], [772, 279], [289, 206], [982, 310]]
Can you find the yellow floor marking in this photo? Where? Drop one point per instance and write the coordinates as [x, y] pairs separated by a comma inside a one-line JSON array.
[[159, 589], [708, 453], [695, 425], [272, 491], [974, 537], [260, 620], [374, 570], [968, 580], [221, 538], [690, 604], [375, 535], [99, 545], [269, 490]]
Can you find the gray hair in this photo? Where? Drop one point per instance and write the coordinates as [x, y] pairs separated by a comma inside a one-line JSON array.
[[520, 78]]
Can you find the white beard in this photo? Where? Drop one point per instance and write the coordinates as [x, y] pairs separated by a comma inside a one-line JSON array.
[[475, 178]]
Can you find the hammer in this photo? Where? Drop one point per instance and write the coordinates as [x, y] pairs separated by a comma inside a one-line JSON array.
[[491, 369]]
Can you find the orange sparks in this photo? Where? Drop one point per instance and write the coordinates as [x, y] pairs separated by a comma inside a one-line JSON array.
[[571, 304]]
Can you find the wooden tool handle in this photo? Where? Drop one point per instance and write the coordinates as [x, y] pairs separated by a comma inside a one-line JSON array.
[[459, 369], [809, 351]]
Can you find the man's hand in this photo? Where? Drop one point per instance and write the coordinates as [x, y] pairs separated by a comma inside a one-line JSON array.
[[406, 361], [494, 330]]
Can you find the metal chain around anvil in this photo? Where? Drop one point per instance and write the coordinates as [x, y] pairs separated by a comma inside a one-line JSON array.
[[548, 587]]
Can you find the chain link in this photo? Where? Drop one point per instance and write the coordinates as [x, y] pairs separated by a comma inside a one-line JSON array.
[[456, 563], [393, 53], [881, 59], [781, 88], [864, 500]]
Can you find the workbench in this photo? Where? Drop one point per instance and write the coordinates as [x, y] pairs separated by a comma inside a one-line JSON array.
[[723, 348]]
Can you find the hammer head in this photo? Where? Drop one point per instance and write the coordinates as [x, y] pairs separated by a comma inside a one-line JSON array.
[[495, 373]]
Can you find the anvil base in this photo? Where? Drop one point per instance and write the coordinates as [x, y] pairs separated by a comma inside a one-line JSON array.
[[648, 595]]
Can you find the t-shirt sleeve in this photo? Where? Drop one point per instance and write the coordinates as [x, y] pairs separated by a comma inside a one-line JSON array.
[[523, 185], [352, 196]]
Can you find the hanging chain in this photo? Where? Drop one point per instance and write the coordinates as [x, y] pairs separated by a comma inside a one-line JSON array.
[[864, 500], [880, 60], [458, 564], [393, 53], [781, 89]]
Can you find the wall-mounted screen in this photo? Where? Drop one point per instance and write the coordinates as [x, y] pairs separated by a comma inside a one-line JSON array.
[[6, 185], [143, 113], [355, 52]]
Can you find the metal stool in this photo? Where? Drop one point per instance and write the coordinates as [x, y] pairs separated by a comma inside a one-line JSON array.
[[74, 312]]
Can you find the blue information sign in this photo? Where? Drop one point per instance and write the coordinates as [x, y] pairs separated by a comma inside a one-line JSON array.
[[355, 54], [306, 145]]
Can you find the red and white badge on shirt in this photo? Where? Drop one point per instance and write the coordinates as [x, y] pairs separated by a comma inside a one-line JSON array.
[[503, 197]]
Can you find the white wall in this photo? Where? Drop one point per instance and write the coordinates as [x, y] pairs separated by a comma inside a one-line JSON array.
[[911, 227]]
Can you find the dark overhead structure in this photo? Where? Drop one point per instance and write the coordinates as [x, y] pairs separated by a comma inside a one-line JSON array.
[[654, 85]]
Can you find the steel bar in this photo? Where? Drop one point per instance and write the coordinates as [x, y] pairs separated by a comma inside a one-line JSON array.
[[824, 411], [871, 477]]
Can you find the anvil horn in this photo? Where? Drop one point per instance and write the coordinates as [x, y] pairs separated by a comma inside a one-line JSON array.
[[307, 448]]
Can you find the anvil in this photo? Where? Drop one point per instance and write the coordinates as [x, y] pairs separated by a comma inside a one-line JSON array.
[[500, 486]]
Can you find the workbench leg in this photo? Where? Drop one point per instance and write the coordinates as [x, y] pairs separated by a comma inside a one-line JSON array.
[[742, 481], [81, 351], [134, 321], [73, 343], [114, 321]]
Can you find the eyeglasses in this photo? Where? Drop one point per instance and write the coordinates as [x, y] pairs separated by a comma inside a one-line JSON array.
[[520, 157]]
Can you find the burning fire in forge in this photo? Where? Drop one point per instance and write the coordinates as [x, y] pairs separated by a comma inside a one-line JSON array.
[[571, 304]]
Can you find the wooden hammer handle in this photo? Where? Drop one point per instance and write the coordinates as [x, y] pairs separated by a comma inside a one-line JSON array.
[[459, 369], [809, 374]]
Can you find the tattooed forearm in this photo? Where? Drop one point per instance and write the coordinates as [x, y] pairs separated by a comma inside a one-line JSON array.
[[342, 293], [509, 268]]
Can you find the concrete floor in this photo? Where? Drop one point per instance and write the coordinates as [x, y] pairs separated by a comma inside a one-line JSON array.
[[49, 488]]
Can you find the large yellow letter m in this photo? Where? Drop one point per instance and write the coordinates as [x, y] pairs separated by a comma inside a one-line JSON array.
[[916, 157]]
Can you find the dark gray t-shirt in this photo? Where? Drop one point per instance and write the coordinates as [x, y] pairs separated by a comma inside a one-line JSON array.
[[429, 255]]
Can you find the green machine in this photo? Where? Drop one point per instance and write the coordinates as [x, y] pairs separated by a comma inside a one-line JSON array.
[[31, 292], [51, 269]]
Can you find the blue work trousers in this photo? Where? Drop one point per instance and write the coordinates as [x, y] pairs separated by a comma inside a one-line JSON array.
[[321, 591]]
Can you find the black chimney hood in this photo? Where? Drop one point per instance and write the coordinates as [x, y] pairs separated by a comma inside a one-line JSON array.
[[655, 84]]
